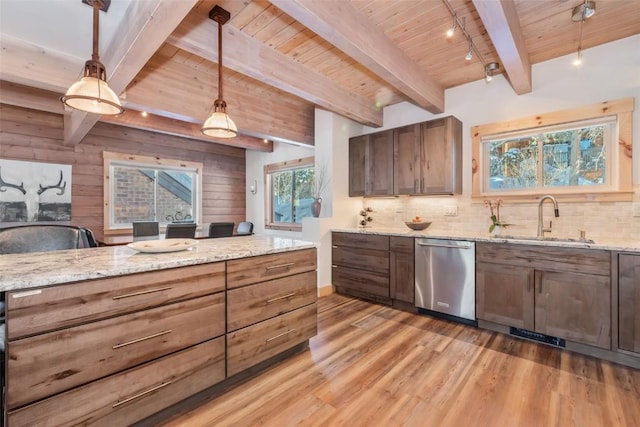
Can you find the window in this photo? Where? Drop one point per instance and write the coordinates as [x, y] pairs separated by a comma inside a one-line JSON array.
[[573, 155], [290, 188], [582, 154], [150, 189]]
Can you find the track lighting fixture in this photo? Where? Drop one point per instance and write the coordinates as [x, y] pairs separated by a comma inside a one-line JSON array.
[[581, 13], [469, 54], [451, 31], [490, 70]]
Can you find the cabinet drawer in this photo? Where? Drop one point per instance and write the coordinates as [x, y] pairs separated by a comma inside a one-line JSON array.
[[255, 303], [254, 344], [247, 271], [574, 260], [36, 311], [43, 365], [361, 241], [132, 395], [366, 259], [361, 280]]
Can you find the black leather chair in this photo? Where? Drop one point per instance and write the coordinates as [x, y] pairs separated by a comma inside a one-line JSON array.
[[245, 227], [145, 230], [42, 238], [180, 229], [221, 229]]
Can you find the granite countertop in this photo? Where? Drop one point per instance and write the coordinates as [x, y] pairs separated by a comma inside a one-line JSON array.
[[622, 245], [24, 271]]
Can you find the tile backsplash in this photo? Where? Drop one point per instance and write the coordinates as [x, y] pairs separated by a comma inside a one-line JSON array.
[[611, 220]]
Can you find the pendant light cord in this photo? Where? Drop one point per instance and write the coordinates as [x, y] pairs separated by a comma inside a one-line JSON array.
[[96, 30], [220, 60]]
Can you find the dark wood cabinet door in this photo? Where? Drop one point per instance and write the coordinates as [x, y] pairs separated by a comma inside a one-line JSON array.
[[406, 160], [402, 269], [441, 156], [379, 160], [504, 294], [629, 303], [357, 154], [574, 306]]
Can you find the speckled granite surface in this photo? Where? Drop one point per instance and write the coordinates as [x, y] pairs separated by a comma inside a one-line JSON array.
[[24, 271], [606, 244]]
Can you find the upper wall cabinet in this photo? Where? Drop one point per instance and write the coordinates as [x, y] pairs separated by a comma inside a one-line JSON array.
[[428, 158], [371, 164], [419, 159]]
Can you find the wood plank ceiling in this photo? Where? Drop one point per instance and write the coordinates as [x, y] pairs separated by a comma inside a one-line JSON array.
[[282, 58]]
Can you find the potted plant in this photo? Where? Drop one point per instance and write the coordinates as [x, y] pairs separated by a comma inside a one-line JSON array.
[[496, 223]]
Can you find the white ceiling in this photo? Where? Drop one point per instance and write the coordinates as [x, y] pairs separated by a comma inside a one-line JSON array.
[[64, 26]]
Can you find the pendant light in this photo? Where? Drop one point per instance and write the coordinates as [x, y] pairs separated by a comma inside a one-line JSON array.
[[219, 124], [92, 93], [581, 13]]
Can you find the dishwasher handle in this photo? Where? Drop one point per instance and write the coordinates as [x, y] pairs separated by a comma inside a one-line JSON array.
[[442, 245]]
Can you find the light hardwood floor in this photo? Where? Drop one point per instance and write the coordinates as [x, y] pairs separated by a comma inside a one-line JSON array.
[[371, 365]]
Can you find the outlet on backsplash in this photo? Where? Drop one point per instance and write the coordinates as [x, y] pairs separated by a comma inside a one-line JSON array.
[[451, 210]]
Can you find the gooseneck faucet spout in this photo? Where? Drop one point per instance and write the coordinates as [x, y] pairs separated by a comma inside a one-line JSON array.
[[541, 228]]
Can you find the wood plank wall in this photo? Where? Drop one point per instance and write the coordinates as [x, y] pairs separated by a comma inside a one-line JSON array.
[[38, 136]]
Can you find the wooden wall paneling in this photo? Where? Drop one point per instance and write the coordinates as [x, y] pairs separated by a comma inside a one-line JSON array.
[[21, 140]]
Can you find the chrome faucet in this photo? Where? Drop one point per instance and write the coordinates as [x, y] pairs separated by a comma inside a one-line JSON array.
[[541, 228]]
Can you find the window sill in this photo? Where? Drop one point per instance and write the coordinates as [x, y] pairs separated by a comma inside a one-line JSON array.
[[613, 196], [285, 227]]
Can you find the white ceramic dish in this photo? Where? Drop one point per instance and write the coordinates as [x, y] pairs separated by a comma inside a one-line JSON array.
[[162, 246]]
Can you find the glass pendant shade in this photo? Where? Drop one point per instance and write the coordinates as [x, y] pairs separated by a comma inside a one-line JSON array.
[[93, 95], [219, 124]]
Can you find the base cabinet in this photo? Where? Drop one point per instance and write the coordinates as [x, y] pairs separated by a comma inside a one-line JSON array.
[[526, 287], [402, 269], [629, 302]]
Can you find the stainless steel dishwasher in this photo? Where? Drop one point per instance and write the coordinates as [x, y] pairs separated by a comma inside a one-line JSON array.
[[445, 279]]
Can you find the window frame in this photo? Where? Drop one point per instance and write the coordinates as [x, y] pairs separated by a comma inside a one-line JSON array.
[[619, 163], [133, 160], [289, 165]]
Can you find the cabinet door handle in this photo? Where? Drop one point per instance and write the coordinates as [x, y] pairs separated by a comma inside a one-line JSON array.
[[334, 246], [269, 301], [137, 340], [539, 283], [135, 294], [280, 335], [274, 267], [142, 393]]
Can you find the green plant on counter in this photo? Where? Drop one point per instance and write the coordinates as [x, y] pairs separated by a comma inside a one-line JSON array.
[[494, 206]]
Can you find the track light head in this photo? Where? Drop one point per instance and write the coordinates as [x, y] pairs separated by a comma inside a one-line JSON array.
[[469, 55]]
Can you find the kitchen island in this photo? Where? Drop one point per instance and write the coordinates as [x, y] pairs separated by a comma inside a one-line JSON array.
[[110, 336]]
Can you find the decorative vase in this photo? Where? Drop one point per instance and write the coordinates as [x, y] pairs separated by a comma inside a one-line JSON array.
[[316, 205], [497, 231]]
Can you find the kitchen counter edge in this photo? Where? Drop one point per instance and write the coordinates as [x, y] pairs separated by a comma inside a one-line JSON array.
[[32, 270], [601, 244]]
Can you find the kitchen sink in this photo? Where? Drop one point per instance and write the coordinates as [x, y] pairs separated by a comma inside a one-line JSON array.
[[547, 239]]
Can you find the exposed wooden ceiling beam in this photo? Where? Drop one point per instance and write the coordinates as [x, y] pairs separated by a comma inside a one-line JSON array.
[[145, 27], [500, 18], [44, 100], [197, 34], [342, 25]]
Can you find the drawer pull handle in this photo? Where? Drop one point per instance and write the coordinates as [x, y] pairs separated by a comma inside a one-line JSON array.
[[124, 344], [287, 265], [142, 393], [334, 246], [269, 301], [280, 335], [135, 294]]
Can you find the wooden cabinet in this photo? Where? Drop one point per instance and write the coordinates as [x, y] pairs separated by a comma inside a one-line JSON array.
[[629, 302], [360, 265], [562, 292], [371, 164], [504, 294], [402, 271], [271, 306], [113, 343], [428, 157]]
